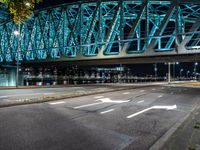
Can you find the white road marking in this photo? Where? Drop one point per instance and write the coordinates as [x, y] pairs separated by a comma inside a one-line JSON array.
[[153, 89], [154, 107], [99, 97], [140, 101], [108, 100], [104, 112], [87, 105], [103, 100], [142, 90], [126, 93], [160, 96], [56, 103], [3, 96]]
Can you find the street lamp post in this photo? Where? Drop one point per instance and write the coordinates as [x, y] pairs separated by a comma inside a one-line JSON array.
[[188, 74], [17, 33], [195, 70], [155, 70], [174, 69], [181, 73]]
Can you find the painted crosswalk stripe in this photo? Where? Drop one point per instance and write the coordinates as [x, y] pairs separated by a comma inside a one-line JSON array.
[[107, 111]]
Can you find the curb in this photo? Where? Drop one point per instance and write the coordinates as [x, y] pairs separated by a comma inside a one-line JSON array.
[[161, 141], [55, 98]]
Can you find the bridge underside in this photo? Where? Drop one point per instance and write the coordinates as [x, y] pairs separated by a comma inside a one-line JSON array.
[[127, 60], [106, 32]]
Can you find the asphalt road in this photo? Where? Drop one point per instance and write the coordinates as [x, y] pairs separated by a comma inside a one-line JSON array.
[[131, 120]]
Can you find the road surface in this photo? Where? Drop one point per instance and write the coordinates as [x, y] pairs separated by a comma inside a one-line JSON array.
[[131, 120]]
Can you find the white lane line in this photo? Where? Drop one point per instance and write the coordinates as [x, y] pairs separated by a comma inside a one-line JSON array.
[[160, 96], [126, 93], [154, 107], [88, 105], [142, 90], [99, 97], [3, 96], [56, 103], [104, 112], [153, 89], [140, 101]]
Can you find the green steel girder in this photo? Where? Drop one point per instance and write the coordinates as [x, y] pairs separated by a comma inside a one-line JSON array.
[[103, 28]]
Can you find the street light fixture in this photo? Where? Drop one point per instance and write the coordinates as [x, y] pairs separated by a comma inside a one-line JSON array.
[[188, 74], [28, 4], [195, 70], [155, 70], [181, 73], [174, 69], [17, 33]]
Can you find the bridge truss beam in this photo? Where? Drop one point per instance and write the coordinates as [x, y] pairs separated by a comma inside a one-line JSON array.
[[105, 30]]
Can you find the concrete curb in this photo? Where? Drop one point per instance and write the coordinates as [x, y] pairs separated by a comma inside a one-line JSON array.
[[161, 141], [55, 98]]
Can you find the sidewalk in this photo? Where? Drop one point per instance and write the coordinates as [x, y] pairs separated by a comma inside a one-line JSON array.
[[187, 136]]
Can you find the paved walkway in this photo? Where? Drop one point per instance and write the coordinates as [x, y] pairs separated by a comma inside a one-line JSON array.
[[187, 136]]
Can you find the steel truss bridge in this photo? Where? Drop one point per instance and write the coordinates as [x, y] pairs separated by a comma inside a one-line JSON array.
[[104, 30]]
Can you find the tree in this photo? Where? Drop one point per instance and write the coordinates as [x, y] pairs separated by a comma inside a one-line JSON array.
[[4, 1], [20, 10]]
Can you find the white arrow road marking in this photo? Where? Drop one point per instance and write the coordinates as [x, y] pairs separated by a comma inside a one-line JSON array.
[[154, 107], [104, 112], [103, 100], [55, 103], [108, 100]]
